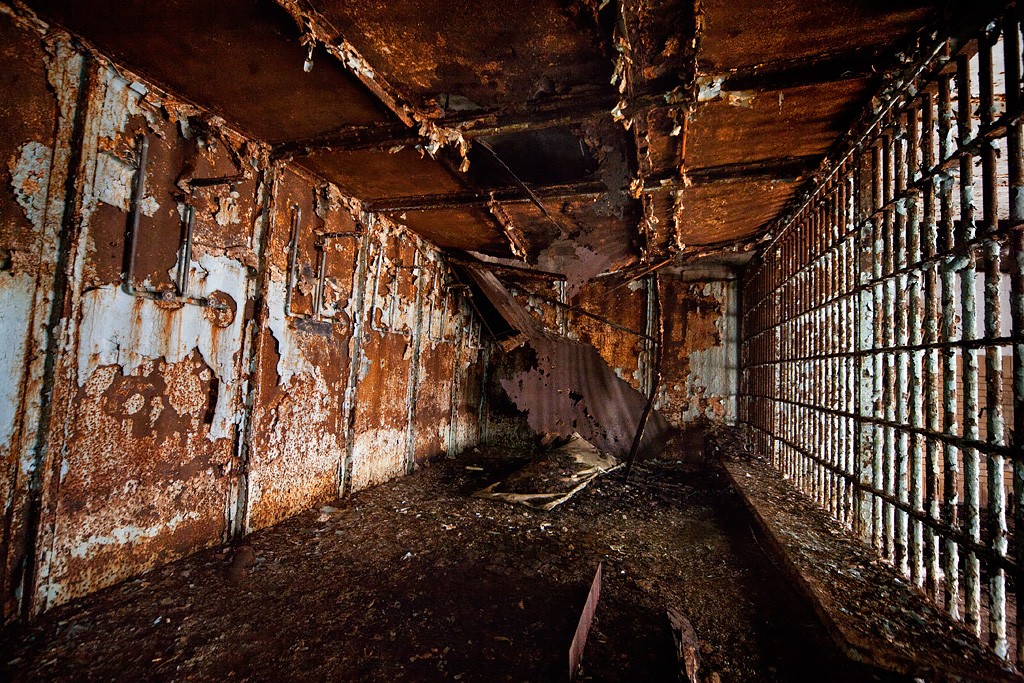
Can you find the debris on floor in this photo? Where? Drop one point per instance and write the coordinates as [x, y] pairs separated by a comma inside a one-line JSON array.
[[579, 639], [554, 478], [687, 647], [417, 580]]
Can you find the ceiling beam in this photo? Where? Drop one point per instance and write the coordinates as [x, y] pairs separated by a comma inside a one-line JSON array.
[[852, 64], [568, 110], [547, 114], [481, 199], [782, 169]]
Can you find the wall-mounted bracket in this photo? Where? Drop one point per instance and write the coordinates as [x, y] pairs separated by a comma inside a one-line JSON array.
[[168, 297], [320, 244]]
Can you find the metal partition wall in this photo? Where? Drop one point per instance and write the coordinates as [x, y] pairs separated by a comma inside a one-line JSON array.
[[883, 334]]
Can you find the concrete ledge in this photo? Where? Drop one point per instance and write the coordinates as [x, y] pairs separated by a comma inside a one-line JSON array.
[[872, 613]]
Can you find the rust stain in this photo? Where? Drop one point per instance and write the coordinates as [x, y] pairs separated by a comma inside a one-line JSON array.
[[161, 438], [700, 352], [298, 436]]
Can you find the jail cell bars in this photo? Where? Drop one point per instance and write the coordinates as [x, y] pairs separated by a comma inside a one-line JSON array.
[[883, 336]]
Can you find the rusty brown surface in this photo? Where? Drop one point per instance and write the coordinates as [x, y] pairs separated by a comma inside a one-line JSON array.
[[298, 438], [709, 214], [381, 447], [27, 142], [458, 229], [699, 358], [794, 122], [486, 55], [537, 298], [147, 459], [470, 403], [561, 384], [748, 32], [411, 397], [439, 356], [372, 174], [626, 306], [141, 483], [147, 395], [436, 64], [242, 60]]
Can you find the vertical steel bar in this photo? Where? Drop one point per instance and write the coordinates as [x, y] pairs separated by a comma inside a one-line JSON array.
[[993, 355], [890, 390], [931, 337], [951, 459], [1015, 172], [901, 247], [916, 355], [968, 314], [878, 354], [863, 204]]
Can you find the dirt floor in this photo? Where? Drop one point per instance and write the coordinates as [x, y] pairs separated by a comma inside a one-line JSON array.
[[417, 581]]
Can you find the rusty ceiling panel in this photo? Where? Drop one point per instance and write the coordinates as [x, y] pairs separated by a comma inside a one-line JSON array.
[[730, 211], [467, 229], [378, 174], [660, 41], [464, 55], [579, 237], [739, 33], [788, 123], [663, 150], [243, 60]]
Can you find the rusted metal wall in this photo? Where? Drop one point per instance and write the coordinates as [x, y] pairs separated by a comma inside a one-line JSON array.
[[147, 393], [699, 371], [297, 442], [629, 355], [201, 342], [699, 365], [35, 143], [381, 437]]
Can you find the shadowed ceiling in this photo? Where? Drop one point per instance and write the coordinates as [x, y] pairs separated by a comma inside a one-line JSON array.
[[578, 137]]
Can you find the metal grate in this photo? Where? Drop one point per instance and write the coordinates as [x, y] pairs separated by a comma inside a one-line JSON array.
[[883, 334]]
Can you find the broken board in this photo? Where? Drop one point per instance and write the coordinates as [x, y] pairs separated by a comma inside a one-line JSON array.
[[555, 478]]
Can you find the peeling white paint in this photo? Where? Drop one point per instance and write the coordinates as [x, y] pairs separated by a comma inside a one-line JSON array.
[[709, 87], [130, 534], [122, 100], [113, 184], [378, 455], [16, 295], [227, 210], [30, 174], [291, 360], [713, 373], [119, 329]]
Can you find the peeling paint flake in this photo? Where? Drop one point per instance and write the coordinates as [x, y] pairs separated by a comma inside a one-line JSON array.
[[16, 295], [119, 329], [30, 174]]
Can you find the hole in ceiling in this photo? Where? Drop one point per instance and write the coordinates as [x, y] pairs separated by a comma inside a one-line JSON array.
[[542, 157]]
